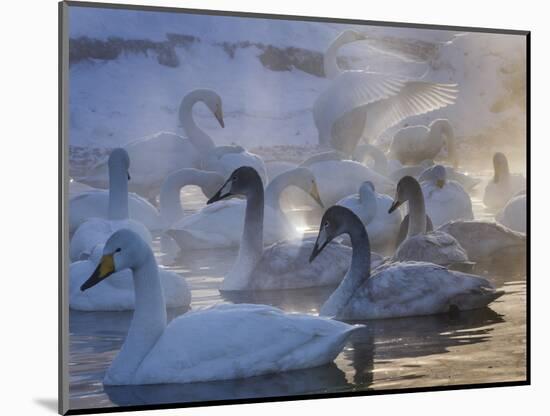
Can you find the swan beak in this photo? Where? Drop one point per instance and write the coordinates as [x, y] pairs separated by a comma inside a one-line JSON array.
[[314, 193], [396, 204], [219, 116], [320, 244], [440, 183], [224, 192], [104, 269]]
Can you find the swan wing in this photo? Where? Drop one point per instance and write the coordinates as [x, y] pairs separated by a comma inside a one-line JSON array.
[[237, 341]]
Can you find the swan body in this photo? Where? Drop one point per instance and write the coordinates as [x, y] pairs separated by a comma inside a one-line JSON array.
[[445, 200], [413, 144], [372, 209], [96, 231], [514, 214], [503, 185], [419, 245], [337, 179], [283, 265], [219, 343], [363, 103], [225, 159], [117, 293], [220, 225], [275, 167], [465, 180], [484, 239], [95, 204], [397, 289]]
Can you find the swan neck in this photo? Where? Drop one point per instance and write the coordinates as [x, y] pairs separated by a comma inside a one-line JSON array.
[[367, 198], [148, 322], [502, 172], [194, 133], [330, 59], [252, 239], [358, 272], [118, 193], [417, 213]]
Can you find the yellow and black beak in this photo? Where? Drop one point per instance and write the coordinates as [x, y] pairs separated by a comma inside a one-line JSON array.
[[314, 193], [322, 240], [219, 116], [440, 183], [224, 192], [396, 204], [104, 269], [129, 177]]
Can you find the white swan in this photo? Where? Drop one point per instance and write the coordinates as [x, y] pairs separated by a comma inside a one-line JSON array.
[[117, 293], [484, 240], [504, 185], [445, 200], [219, 343], [413, 144], [362, 103], [96, 231], [434, 247], [372, 209], [171, 209], [282, 265], [220, 225], [155, 157], [337, 179], [514, 214], [398, 289]]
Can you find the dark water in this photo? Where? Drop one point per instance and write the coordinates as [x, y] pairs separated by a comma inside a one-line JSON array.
[[481, 346]]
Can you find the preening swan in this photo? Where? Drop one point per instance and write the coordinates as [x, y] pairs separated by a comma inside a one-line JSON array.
[[514, 214], [504, 185], [220, 225], [219, 343], [445, 200], [413, 144], [171, 209], [362, 103], [434, 247], [484, 240], [372, 209], [117, 293], [397, 289], [282, 265], [96, 231]]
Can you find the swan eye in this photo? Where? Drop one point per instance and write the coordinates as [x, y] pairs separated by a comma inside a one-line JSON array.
[[234, 178], [326, 224], [118, 250]]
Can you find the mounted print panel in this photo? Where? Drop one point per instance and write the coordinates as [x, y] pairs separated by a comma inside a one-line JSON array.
[[262, 208]]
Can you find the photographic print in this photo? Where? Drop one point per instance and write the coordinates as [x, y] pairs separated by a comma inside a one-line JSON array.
[[260, 208]]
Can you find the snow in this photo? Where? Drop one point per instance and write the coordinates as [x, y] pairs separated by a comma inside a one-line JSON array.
[[113, 102]]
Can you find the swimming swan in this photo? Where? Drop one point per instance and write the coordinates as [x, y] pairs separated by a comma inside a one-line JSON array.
[[504, 185], [96, 231], [397, 289], [372, 209], [364, 104], [483, 240], [171, 209], [434, 247], [117, 293], [218, 343], [282, 265], [220, 225], [445, 200], [514, 214], [413, 144]]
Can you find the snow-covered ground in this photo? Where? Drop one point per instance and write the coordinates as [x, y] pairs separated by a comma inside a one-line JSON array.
[[268, 73]]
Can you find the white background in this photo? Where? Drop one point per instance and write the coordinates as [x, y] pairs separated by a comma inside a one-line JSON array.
[[28, 137]]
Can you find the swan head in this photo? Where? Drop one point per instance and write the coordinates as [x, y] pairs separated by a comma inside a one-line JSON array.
[[210, 98], [337, 220], [242, 181], [304, 179], [500, 164], [119, 159], [125, 249], [406, 187]]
